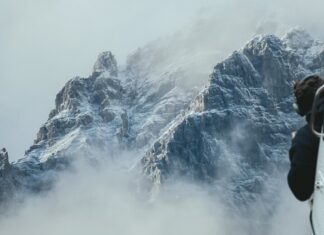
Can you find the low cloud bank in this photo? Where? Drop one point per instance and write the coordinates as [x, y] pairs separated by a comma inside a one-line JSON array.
[[110, 199]]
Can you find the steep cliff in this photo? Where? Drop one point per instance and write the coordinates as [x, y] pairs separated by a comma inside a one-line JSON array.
[[235, 135]]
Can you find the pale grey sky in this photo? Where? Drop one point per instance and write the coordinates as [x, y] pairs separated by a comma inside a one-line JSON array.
[[43, 43]]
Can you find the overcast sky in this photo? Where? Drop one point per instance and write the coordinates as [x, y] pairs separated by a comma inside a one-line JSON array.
[[43, 43]]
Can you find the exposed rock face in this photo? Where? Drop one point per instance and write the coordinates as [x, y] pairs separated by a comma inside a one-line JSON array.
[[4, 161], [7, 186], [236, 132], [82, 109], [233, 136], [106, 111], [28, 175], [106, 62]]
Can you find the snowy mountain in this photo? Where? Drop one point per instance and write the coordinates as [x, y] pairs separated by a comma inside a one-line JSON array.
[[235, 135], [232, 134], [105, 113]]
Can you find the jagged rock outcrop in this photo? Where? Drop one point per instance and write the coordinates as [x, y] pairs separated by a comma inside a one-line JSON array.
[[110, 110], [233, 136], [86, 110], [4, 161], [7, 186], [106, 62], [97, 116], [236, 132]]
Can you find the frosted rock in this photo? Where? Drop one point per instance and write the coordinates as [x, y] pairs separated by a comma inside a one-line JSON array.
[[224, 136], [106, 62], [237, 130], [107, 115], [299, 39], [84, 120], [4, 161]]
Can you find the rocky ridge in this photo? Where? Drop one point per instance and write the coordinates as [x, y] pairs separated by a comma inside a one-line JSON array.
[[98, 116], [224, 137], [236, 132]]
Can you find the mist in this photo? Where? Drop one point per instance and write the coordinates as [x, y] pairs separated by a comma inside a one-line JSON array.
[[109, 198], [45, 43]]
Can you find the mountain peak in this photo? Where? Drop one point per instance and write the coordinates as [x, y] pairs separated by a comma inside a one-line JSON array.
[[298, 38], [4, 160], [262, 44], [106, 62], [224, 137]]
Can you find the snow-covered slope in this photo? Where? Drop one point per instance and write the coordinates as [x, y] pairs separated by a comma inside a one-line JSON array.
[[111, 110]]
